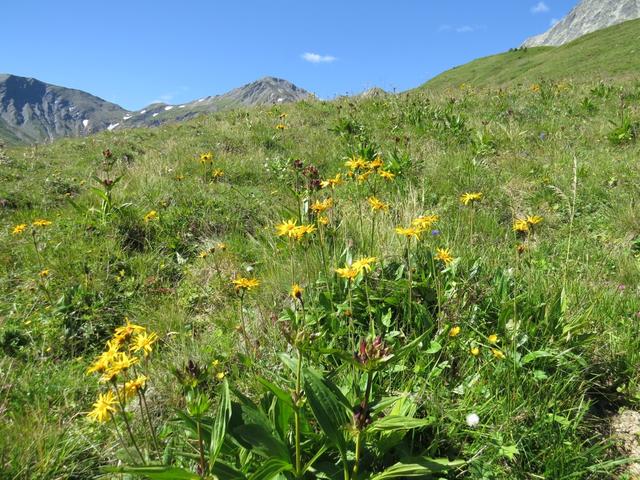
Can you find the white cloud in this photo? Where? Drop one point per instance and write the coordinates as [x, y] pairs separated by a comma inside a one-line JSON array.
[[465, 29], [317, 58], [444, 28], [553, 22], [540, 7], [461, 28]]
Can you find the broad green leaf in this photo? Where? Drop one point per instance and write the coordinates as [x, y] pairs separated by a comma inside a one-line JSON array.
[[226, 472], [417, 467], [509, 451], [399, 422], [261, 441], [330, 413], [220, 424], [156, 472], [531, 356], [277, 391], [434, 347], [270, 469]]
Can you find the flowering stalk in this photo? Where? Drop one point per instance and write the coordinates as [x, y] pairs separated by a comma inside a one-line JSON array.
[[126, 422]]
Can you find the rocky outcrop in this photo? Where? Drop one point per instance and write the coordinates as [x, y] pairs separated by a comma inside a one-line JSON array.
[[586, 17]]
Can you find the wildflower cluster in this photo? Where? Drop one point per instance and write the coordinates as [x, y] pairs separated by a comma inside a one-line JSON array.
[[291, 230]]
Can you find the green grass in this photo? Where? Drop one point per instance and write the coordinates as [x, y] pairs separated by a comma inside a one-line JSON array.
[[565, 310], [612, 53]]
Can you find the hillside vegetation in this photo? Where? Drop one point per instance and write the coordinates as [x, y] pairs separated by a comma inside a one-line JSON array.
[[611, 53], [423, 285]]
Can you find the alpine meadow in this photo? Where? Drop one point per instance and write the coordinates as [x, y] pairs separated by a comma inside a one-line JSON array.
[[441, 283]]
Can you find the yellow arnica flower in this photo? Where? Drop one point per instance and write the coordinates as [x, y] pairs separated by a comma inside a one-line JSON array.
[[296, 291], [242, 283], [475, 351], [125, 331], [44, 273], [377, 205], [520, 225], [348, 272], [386, 174], [409, 232], [299, 232], [104, 407], [206, 157], [534, 219], [121, 363], [324, 220], [150, 216], [321, 206], [217, 173], [102, 363], [286, 228], [425, 221], [497, 353], [41, 223], [203, 254], [364, 264], [132, 387], [363, 177], [470, 197], [444, 255], [221, 246], [492, 339], [143, 342], [455, 331], [220, 376], [18, 229], [281, 126], [332, 182], [375, 163], [355, 163]]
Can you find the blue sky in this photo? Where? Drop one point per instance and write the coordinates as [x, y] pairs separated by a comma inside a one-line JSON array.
[[138, 51]]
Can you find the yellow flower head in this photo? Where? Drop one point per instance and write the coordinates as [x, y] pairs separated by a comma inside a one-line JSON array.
[[102, 363], [425, 221], [121, 363], [355, 163], [520, 225], [150, 216], [492, 339], [18, 229], [475, 351], [409, 232], [217, 173], [363, 264], [497, 353], [363, 176], [143, 342], [243, 284], [220, 376], [332, 182], [444, 255], [104, 407], [206, 157], [286, 228], [124, 332], [132, 387], [470, 197], [321, 206], [203, 254], [41, 223], [377, 204], [296, 291], [299, 232], [375, 163], [386, 174], [281, 126], [44, 273], [221, 246], [455, 331], [347, 272], [324, 220], [534, 219]]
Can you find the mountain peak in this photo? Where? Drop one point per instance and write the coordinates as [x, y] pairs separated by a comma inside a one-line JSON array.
[[586, 17]]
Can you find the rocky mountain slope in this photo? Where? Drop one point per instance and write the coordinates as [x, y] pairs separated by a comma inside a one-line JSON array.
[[586, 17], [266, 91], [34, 111]]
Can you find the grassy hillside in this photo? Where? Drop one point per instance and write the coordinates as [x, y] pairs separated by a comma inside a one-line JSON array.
[[492, 336], [611, 53]]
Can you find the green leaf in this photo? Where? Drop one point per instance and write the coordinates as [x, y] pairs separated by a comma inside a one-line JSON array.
[[277, 391], [417, 467], [434, 347], [508, 451], [226, 472], [270, 469], [399, 422], [220, 424], [156, 472], [261, 441], [328, 410], [531, 356]]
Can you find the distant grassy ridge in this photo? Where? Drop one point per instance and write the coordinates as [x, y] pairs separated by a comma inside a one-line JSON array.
[[611, 53]]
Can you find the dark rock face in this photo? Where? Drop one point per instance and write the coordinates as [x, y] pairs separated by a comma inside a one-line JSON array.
[[34, 111], [586, 17]]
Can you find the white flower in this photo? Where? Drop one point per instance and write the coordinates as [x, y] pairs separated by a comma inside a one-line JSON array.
[[473, 419]]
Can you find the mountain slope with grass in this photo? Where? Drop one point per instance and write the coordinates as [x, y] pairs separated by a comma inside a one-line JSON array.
[[612, 53], [442, 283]]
